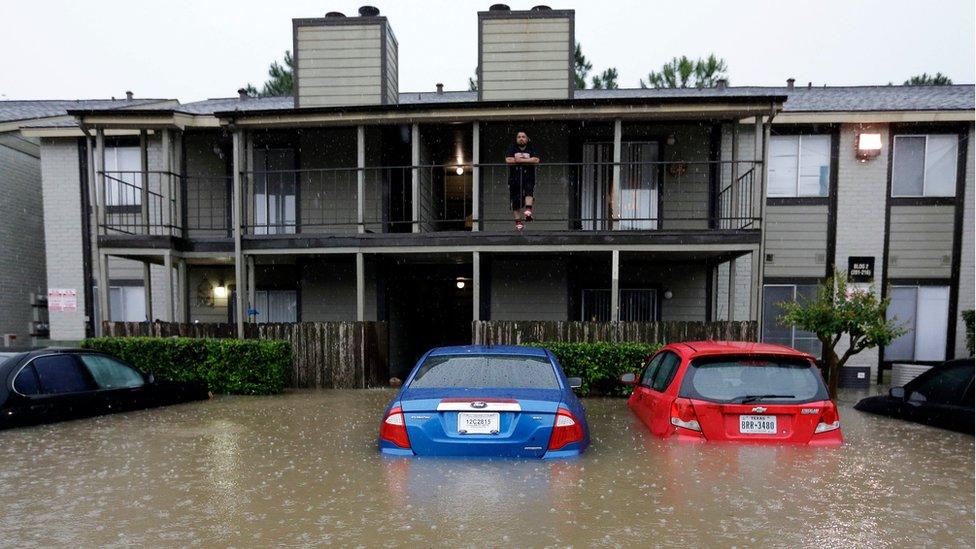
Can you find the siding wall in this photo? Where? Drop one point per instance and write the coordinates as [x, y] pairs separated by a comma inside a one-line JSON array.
[[329, 290], [201, 281], [686, 282], [21, 234], [796, 236], [529, 289], [967, 263], [684, 198], [208, 200], [524, 58], [920, 243], [342, 64]]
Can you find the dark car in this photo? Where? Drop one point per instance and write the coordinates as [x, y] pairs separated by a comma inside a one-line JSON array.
[[48, 385], [941, 397]]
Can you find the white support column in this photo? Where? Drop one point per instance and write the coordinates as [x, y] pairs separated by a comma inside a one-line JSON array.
[[360, 287], [615, 185], [475, 285], [100, 179], [731, 314], [144, 168], [361, 178], [168, 281], [147, 288], [182, 287], [239, 302], [105, 311], [415, 177], [475, 181], [761, 267], [178, 181], [167, 218], [757, 198], [615, 286]]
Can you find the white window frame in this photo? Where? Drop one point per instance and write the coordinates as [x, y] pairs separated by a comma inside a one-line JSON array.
[[653, 292], [955, 172], [914, 328], [117, 194], [792, 328], [264, 296], [799, 165], [122, 290]]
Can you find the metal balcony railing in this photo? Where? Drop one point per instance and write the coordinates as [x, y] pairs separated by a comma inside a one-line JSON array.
[[139, 203]]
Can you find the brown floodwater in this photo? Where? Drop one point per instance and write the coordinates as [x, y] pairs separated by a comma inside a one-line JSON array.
[[302, 469]]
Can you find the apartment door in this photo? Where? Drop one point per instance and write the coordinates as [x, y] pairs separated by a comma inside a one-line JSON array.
[[638, 201], [275, 189]]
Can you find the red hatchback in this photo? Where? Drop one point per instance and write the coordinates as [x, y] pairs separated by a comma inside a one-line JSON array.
[[734, 391]]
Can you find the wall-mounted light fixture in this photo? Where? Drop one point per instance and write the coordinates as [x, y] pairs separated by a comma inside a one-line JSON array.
[[460, 284], [220, 291], [459, 170], [867, 145], [668, 294], [671, 139]]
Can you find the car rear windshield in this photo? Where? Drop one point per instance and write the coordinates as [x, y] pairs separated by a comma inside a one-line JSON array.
[[734, 380], [484, 371]]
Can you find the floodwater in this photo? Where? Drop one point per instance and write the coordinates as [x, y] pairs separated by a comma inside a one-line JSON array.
[[302, 469]]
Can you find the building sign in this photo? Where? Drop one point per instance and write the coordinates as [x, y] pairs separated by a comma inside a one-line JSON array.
[[62, 300], [860, 269]]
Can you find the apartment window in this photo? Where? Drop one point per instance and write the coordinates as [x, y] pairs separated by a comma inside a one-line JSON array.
[[638, 305], [123, 176], [799, 165], [127, 303], [773, 331], [275, 186], [924, 165], [638, 201], [924, 312], [276, 306]]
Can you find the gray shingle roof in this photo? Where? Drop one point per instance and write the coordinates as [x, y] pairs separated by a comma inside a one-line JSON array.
[[30, 110]]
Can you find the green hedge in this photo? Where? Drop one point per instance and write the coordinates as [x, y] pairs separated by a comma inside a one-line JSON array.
[[970, 338], [600, 364], [248, 367]]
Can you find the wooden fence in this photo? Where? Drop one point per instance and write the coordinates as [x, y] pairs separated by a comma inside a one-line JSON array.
[[508, 332], [324, 354]]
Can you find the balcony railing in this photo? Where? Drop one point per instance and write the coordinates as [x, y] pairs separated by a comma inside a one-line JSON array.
[[650, 196]]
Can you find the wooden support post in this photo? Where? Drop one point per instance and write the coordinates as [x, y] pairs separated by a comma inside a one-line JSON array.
[[252, 286], [415, 177], [475, 285], [168, 281], [166, 212], [360, 287], [144, 184], [731, 314], [615, 184], [100, 175], [361, 178], [761, 267], [178, 175], [475, 181], [104, 307], [615, 286], [182, 286], [239, 302], [147, 287]]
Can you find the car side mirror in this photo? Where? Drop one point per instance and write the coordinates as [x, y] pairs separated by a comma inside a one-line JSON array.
[[575, 382], [897, 392], [150, 379], [629, 378]]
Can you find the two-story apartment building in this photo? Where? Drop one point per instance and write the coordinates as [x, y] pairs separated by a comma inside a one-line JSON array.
[[352, 200]]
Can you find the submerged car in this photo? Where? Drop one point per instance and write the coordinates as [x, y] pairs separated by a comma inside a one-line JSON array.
[[50, 385], [498, 401], [734, 391], [941, 397]]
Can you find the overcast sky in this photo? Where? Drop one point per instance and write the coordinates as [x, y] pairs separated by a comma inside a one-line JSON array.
[[195, 49]]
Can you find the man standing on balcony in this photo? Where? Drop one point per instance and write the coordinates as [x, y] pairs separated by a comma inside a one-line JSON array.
[[521, 158]]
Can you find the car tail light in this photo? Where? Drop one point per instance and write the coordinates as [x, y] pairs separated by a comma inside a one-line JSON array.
[[683, 415], [829, 419], [565, 430], [394, 428]]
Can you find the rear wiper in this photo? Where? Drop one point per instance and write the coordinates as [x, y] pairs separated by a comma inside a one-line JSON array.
[[750, 398]]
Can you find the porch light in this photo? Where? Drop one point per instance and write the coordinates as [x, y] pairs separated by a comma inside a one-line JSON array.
[[460, 284], [459, 170], [668, 294], [220, 291], [868, 146]]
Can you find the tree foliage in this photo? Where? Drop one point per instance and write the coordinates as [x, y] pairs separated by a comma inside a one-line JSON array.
[[683, 72], [925, 79], [280, 82], [840, 310], [607, 80], [581, 66]]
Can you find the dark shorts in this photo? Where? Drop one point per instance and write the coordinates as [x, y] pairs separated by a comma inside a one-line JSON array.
[[517, 191]]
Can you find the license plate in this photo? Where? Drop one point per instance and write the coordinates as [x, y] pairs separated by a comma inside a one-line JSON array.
[[478, 423], [757, 425]]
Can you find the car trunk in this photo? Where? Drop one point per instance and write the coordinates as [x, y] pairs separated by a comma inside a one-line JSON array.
[[758, 421], [492, 422]]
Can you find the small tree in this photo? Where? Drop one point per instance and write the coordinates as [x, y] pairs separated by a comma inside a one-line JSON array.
[[925, 79], [581, 67], [280, 79], [607, 80], [683, 72], [838, 310]]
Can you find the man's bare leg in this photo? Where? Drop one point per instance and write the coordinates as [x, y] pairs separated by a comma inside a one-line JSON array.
[[528, 207]]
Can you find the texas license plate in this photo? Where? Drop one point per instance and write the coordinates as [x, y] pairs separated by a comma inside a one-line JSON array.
[[757, 425], [478, 423]]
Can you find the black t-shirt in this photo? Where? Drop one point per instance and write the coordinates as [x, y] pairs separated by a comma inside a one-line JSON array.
[[521, 173]]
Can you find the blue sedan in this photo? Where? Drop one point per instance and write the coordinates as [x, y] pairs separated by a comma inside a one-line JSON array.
[[498, 401]]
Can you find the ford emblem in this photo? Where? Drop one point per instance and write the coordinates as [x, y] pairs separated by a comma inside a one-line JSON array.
[[758, 409], [479, 404]]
